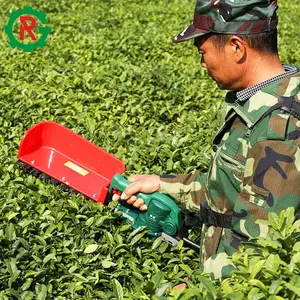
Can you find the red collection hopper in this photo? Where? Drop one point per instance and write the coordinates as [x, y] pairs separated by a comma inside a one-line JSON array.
[[69, 158]]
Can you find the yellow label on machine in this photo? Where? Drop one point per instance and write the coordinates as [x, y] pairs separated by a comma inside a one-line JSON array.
[[76, 168]]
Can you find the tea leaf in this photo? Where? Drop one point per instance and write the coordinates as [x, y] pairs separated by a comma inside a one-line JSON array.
[[118, 290], [91, 248]]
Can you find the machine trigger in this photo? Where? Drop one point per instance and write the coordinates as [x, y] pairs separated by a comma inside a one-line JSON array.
[[115, 191]]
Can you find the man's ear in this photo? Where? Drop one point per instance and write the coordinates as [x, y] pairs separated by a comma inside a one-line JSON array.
[[238, 47]]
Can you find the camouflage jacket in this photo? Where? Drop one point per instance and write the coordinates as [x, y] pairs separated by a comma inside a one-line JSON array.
[[255, 170]]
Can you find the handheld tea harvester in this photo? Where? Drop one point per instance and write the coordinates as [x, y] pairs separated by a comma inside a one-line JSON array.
[[75, 162]]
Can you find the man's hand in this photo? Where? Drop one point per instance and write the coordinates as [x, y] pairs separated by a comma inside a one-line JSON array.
[[140, 183]]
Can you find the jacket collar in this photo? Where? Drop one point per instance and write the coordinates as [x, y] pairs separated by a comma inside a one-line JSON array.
[[250, 104]]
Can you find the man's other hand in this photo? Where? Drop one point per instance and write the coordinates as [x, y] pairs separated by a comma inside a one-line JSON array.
[[140, 184]]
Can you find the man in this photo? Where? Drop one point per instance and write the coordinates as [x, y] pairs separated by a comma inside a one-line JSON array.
[[255, 168]]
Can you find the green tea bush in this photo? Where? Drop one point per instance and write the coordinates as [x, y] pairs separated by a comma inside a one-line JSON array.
[[267, 267], [111, 73]]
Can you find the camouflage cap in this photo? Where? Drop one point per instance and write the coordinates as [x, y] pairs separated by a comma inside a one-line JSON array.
[[231, 17]]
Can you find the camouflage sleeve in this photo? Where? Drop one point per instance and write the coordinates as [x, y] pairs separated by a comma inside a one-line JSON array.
[[188, 189]]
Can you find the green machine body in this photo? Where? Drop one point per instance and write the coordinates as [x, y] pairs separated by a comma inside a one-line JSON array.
[[163, 214]]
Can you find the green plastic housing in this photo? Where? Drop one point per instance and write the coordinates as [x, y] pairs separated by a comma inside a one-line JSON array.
[[163, 214]]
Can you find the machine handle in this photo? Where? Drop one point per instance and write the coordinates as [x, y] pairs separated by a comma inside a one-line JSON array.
[[163, 214], [120, 183]]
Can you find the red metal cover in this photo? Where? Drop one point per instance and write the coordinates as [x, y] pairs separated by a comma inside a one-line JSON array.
[[66, 156]]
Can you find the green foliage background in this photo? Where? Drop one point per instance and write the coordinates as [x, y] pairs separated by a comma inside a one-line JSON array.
[[111, 73]]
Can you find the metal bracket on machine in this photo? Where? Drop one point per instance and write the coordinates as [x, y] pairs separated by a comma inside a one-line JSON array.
[[173, 241]]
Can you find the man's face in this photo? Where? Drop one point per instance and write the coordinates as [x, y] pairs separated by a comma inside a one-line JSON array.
[[220, 63]]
